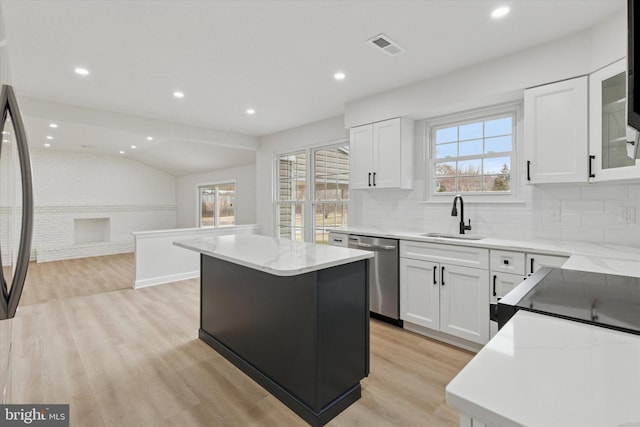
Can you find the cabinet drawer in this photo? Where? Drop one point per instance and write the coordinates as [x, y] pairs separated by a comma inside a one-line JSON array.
[[337, 239], [508, 262], [450, 254]]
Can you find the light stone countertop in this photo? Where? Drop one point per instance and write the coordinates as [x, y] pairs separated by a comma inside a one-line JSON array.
[[599, 258], [275, 256], [545, 371]]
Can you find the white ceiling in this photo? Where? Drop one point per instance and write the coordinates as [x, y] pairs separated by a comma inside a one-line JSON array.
[[278, 57]]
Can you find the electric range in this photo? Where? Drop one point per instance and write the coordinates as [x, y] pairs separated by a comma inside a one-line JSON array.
[[606, 300]]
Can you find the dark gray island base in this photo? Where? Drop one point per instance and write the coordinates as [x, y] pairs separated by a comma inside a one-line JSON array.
[[304, 338]]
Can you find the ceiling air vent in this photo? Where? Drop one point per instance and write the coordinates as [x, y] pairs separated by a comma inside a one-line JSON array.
[[383, 42]]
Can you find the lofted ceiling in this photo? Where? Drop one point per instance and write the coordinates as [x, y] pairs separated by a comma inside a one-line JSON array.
[[275, 56]]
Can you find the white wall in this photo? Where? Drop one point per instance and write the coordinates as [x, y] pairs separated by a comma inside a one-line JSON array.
[[70, 186], [498, 80], [187, 197], [586, 212], [321, 132]]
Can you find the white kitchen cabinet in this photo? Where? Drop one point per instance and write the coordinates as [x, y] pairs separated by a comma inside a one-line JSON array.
[[441, 292], [420, 292], [381, 155], [556, 132], [536, 261], [509, 268], [608, 125], [339, 239], [501, 284], [464, 302]]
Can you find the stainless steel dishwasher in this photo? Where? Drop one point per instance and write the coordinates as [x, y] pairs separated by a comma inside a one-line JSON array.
[[384, 291]]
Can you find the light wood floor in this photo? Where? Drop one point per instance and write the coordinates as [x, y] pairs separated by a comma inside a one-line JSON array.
[[124, 357]]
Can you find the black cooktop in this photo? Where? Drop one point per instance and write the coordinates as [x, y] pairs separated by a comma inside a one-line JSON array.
[[606, 300]]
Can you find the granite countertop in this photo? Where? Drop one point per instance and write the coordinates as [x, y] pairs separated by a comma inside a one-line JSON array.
[[275, 256], [599, 258], [546, 371]]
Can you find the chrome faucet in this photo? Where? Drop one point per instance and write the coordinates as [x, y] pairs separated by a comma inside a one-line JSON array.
[[454, 212]]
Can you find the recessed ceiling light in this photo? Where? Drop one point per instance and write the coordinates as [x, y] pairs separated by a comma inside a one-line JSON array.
[[500, 12], [53, 125], [121, 152], [149, 138], [251, 111], [178, 94], [47, 144], [5, 141], [339, 76], [49, 137], [134, 147], [81, 71], [4, 132]]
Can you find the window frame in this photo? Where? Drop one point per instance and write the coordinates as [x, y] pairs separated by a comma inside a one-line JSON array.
[[515, 109], [309, 203], [216, 215], [317, 202]]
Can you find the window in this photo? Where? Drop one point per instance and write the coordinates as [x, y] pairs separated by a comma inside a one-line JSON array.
[[473, 154], [216, 204], [330, 189], [292, 187], [327, 168]]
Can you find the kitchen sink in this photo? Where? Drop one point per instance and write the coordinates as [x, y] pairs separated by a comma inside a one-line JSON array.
[[454, 236]]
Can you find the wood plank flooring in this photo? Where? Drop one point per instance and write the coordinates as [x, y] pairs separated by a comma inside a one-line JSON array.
[[125, 357]]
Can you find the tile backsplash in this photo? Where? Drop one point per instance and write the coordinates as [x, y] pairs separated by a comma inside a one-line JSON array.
[[577, 212]]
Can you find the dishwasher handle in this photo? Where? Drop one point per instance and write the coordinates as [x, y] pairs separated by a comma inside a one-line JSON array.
[[372, 247]]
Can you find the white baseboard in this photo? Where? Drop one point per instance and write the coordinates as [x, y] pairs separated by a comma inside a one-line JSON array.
[[152, 281], [441, 336]]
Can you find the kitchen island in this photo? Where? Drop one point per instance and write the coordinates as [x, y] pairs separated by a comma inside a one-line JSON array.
[[293, 316]]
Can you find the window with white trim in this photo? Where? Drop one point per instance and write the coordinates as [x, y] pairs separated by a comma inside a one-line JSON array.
[[330, 189], [216, 204], [327, 198], [292, 189], [473, 154]]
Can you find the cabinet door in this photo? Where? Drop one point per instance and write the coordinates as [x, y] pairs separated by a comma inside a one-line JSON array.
[[555, 132], [535, 261], [420, 292], [608, 124], [464, 302], [386, 153], [502, 283], [360, 157]]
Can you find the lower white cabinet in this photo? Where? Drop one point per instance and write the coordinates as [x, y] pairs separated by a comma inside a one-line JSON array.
[[464, 303], [445, 297], [420, 292]]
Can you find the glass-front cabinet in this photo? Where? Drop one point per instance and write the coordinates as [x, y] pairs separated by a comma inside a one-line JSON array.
[[608, 146]]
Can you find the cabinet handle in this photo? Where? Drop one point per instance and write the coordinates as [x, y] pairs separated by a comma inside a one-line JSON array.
[[442, 276], [374, 179], [532, 259], [528, 170], [337, 240], [435, 281], [494, 285], [369, 179], [591, 174]]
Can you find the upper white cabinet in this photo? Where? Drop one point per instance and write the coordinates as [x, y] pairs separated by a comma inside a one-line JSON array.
[[608, 124], [381, 155], [556, 124]]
